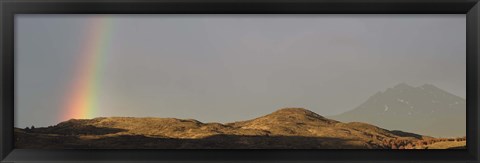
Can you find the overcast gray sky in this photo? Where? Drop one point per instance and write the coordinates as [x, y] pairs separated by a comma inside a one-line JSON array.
[[235, 67]]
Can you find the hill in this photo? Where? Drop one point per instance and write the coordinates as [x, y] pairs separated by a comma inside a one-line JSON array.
[[289, 128], [426, 110]]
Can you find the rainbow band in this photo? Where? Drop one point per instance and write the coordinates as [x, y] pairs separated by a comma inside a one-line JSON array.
[[83, 96]]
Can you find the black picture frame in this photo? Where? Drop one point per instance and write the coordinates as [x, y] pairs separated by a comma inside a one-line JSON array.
[[9, 8]]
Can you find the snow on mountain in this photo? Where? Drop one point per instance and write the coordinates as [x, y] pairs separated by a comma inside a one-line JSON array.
[[425, 109]]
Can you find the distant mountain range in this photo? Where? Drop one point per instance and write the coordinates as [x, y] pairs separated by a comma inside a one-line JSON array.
[[289, 128], [426, 110]]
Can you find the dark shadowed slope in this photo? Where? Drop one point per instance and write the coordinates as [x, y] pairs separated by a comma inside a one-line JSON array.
[[425, 110]]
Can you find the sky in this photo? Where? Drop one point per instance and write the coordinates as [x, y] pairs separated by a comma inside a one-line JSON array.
[[226, 68]]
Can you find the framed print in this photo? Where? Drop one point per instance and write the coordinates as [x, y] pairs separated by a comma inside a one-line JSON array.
[[270, 80]]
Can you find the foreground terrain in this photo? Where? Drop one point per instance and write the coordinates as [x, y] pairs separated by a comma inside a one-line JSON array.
[[290, 128]]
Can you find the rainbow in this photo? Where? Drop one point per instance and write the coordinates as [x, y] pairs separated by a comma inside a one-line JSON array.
[[82, 100]]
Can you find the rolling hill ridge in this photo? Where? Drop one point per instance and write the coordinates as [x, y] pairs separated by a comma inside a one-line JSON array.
[[289, 128]]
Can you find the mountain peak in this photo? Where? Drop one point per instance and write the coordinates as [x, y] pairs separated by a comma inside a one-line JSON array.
[[416, 107], [295, 114], [296, 111], [403, 86]]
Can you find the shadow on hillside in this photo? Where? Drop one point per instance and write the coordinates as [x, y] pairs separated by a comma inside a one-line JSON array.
[[76, 130], [406, 134], [48, 141]]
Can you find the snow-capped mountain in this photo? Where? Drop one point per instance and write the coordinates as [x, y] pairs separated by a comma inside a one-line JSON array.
[[425, 109]]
